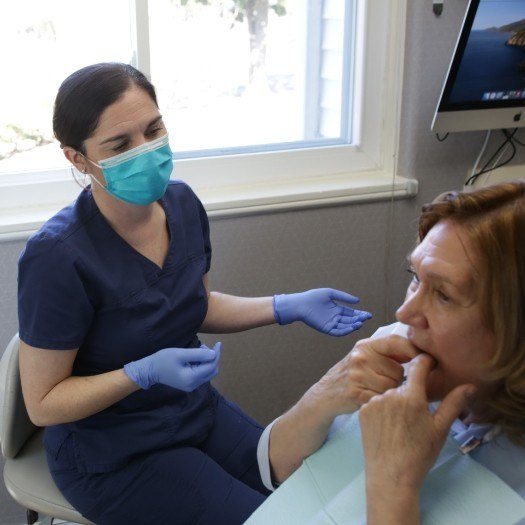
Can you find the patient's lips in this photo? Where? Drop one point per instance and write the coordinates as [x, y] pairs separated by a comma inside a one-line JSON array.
[[421, 347], [413, 339]]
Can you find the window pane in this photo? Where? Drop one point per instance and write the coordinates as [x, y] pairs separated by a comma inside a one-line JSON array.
[[218, 91], [47, 41]]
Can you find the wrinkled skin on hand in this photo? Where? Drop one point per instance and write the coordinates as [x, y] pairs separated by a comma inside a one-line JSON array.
[[371, 368], [401, 437]]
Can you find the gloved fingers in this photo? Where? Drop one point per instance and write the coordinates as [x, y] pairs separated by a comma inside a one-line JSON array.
[[200, 376], [350, 319], [195, 375], [218, 351], [203, 371], [196, 355], [204, 367], [342, 330], [362, 315], [210, 376], [217, 347], [338, 295], [350, 326]]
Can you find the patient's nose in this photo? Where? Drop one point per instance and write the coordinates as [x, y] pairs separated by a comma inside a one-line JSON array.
[[411, 311]]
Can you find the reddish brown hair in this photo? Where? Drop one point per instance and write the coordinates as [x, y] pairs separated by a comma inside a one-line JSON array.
[[494, 221]]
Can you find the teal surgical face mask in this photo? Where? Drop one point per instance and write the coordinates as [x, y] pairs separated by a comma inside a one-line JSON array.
[[139, 175]]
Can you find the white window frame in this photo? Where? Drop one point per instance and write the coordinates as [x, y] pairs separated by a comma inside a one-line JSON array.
[[255, 182]]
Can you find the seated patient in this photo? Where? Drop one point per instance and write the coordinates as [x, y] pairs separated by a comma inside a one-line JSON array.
[[464, 341]]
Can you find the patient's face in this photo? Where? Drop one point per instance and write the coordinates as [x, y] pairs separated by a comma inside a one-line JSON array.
[[443, 312]]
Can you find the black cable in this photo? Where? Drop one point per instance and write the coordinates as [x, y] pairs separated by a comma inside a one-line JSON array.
[[519, 142], [473, 179], [442, 139], [515, 139], [513, 154], [509, 139]]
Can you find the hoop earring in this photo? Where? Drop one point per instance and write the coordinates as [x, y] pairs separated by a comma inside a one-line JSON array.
[[86, 177], [83, 185]]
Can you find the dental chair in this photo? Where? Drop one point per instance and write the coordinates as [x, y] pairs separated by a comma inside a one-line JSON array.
[[26, 473]]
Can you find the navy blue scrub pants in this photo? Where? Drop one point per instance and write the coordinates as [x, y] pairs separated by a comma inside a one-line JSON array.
[[215, 482]]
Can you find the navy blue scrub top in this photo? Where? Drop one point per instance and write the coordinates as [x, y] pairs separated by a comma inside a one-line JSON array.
[[80, 285]]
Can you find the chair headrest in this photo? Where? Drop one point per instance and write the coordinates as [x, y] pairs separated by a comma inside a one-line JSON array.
[[15, 425]]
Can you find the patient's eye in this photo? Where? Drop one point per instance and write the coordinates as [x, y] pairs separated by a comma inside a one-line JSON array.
[[415, 278], [443, 296]]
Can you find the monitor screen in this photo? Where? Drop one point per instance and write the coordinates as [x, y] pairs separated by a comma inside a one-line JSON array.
[[488, 66]]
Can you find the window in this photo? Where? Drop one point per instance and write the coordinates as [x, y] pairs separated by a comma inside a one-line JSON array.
[[309, 94], [225, 88], [48, 41]]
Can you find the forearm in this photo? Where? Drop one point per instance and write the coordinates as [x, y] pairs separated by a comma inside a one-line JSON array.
[[394, 506], [75, 398], [228, 313], [296, 435]]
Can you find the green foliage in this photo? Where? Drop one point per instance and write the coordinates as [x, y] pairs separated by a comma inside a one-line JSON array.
[[13, 135], [279, 8], [203, 2], [256, 12]]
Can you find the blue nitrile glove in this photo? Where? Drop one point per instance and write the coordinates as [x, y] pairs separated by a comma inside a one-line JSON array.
[[318, 309], [182, 368]]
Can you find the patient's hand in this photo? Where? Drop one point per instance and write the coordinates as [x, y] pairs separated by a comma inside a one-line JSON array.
[[402, 440], [371, 368]]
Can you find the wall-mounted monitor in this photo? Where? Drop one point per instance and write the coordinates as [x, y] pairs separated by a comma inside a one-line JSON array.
[[485, 84]]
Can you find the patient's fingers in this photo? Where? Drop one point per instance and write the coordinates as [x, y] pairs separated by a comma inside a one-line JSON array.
[[379, 383], [365, 355], [389, 368], [371, 368], [366, 395], [395, 347], [417, 374]]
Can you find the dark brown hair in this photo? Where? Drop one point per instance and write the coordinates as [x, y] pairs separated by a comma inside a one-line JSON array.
[[85, 94]]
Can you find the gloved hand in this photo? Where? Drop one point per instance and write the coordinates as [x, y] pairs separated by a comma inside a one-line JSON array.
[[182, 368], [317, 308]]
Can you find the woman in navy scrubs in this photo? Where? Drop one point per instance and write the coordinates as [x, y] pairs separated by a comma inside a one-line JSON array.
[[112, 292]]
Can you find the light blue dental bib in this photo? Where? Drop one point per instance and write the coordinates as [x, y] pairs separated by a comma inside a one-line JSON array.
[[329, 489]]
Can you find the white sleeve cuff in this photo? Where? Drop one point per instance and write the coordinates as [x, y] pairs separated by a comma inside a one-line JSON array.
[[263, 457]]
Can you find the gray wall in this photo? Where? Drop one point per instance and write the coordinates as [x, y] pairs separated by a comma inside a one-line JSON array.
[[355, 247]]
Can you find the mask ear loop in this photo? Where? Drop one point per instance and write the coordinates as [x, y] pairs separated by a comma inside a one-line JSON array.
[[82, 184], [92, 177]]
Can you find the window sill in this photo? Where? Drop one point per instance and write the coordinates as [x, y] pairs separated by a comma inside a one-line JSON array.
[[307, 193], [241, 200]]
